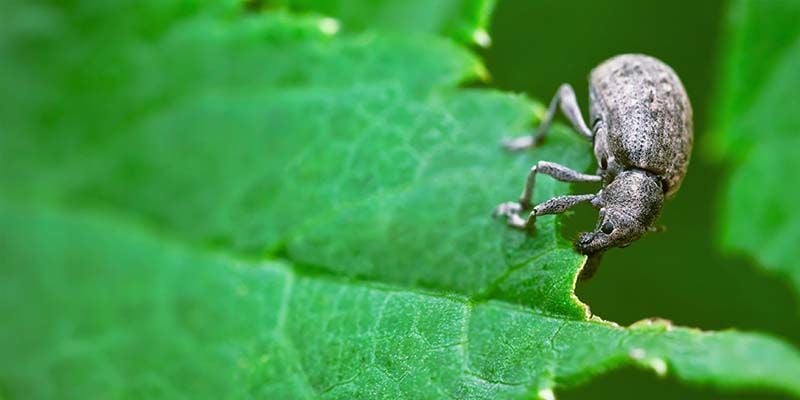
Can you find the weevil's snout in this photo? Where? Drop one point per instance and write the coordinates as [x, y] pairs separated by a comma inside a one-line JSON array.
[[614, 230], [591, 243], [588, 243]]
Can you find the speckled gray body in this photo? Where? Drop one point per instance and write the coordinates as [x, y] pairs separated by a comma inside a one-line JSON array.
[[642, 118], [641, 128]]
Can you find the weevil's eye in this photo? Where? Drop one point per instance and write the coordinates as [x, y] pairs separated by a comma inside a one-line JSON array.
[[607, 228]]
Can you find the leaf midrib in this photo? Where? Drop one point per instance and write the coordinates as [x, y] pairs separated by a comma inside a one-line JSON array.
[[122, 222], [113, 216]]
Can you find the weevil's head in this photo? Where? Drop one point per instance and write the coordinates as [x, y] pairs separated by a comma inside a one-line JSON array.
[[629, 205]]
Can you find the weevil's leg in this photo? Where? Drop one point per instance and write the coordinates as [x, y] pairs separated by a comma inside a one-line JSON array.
[[557, 171], [559, 204], [569, 106], [556, 205], [512, 209]]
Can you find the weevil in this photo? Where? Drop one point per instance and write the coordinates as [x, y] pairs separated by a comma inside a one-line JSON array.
[[641, 130]]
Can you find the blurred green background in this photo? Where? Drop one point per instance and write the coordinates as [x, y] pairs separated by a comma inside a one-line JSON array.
[[679, 274]]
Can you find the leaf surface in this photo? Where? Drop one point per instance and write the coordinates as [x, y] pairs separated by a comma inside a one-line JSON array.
[[113, 310], [250, 206]]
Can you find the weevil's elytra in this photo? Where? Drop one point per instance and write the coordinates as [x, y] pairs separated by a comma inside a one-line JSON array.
[[646, 116], [641, 128]]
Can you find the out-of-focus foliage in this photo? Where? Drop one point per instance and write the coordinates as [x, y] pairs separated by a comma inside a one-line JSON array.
[[464, 20], [758, 131], [219, 203]]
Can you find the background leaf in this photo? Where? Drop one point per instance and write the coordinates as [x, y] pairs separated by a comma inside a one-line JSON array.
[[464, 20], [757, 127], [275, 211]]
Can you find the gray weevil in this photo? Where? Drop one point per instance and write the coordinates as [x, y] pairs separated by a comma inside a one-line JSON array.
[[642, 135]]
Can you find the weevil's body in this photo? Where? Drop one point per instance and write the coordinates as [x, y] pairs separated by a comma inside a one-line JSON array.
[[642, 134], [642, 118]]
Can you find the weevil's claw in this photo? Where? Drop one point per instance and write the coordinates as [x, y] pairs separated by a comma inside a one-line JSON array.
[[511, 210], [519, 143], [507, 209]]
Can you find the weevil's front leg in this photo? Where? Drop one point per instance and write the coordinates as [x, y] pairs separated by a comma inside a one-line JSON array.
[[569, 106], [556, 205], [511, 210], [557, 171]]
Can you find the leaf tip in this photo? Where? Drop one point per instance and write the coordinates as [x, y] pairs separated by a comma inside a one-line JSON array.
[[482, 72], [481, 38], [657, 323], [658, 365], [546, 394]]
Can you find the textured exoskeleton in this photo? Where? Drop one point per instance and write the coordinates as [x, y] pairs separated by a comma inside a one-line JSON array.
[[641, 127]]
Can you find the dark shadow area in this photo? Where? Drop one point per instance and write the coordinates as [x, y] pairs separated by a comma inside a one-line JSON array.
[[679, 274], [633, 383]]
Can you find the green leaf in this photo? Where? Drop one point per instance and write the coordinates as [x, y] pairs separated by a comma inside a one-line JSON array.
[[757, 128], [465, 20], [328, 138], [762, 37], [112, 310], [251, 206]]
